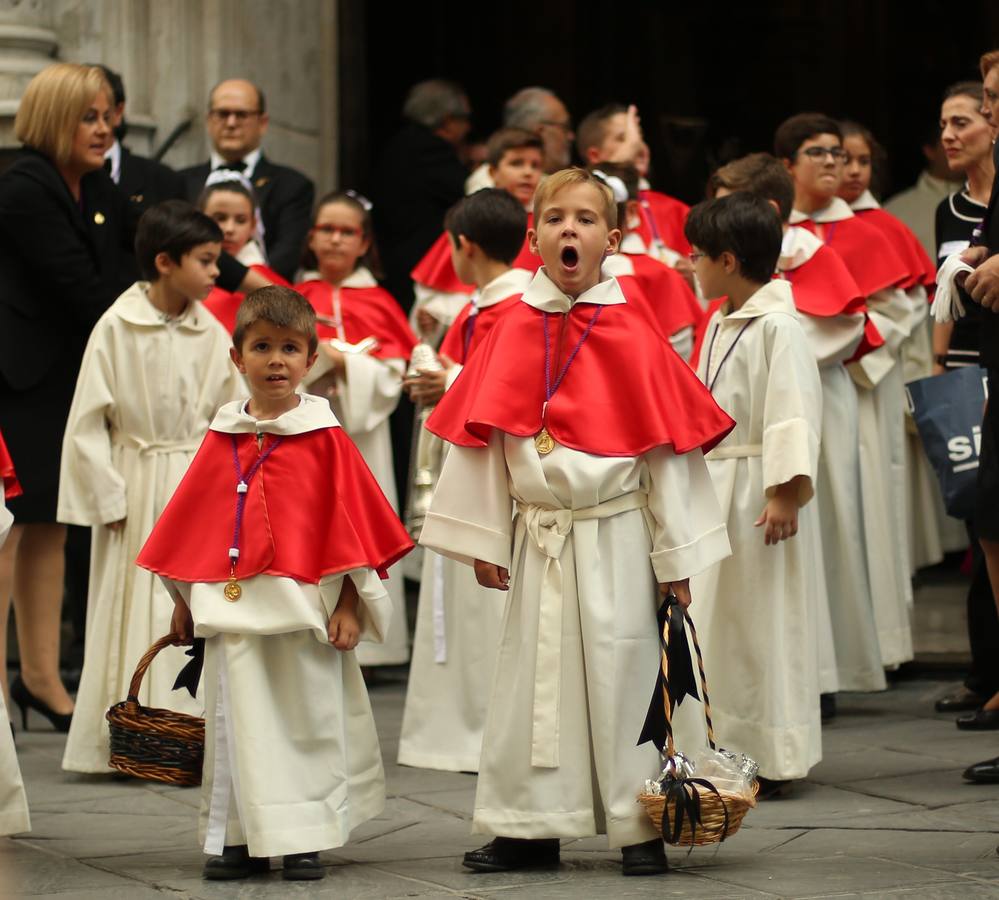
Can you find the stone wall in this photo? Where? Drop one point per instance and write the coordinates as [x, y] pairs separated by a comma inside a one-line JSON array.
[[171, 52]]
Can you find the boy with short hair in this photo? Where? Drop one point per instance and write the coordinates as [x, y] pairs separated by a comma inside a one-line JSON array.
[[153, 374], [516, 164], [271, 579], [757, 363], [576, 412], [457, 622]]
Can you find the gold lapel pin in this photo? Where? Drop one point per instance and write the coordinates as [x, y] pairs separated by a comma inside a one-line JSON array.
[[260, 182], [136, 198], [99, 218]]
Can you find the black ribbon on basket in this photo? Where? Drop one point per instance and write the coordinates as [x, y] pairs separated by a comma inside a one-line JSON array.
[[681, 673], [686, 800], [190, 675]]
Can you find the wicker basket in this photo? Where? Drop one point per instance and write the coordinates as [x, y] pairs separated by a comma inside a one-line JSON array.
[[721, 813], [155, 744]]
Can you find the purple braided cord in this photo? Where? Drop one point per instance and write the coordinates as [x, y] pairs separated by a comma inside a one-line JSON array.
[[244, 478]]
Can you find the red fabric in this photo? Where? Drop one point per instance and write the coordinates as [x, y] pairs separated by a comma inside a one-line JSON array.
[[671, 301], [11, 486], [366, 312], [453, 345], [906, 244], [436, 270], [352, 527], [626, 392], [665, 216], [823, 285], [225, 304]]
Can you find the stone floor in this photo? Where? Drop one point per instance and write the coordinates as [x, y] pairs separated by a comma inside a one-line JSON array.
[[885, 815]]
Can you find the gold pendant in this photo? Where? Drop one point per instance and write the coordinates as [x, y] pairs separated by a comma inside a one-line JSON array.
[[232, 591], [544, 442]]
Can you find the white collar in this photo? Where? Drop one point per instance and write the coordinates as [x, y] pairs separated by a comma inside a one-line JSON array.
[[865, 201], [836, 211], [544, 294], [774, 296], [249, 161], [361, 277], [512, 281], [616, 265], [135, 307], [114, 154], [633, 245], [311, 414], [644, 185], [798, 246], [250, 255]]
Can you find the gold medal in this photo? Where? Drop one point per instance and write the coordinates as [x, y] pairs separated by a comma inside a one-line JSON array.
[[232, 590], [544, 442]]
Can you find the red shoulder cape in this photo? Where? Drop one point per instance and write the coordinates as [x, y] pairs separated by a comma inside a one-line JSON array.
[[823, 285], [454, 343], [626, 392], [436, 271], [353, 525], [367, 312], [906, 244], [664, 216], [225, 304], [672, 301], [867, 253], [11, 486]]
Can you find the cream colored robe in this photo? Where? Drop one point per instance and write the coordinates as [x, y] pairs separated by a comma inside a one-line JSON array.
[[579, 646], [14, 817], [834, 340], [362, 402], [292, 762], [757, 612], [146, 392], [457, 634]]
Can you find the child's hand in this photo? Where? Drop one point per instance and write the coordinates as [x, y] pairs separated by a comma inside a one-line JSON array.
[[427, 387], [492, 576], [630, 149], [181, 624], [116, 526], [344, 628], [680, 589], [425, 322], [780, 515]]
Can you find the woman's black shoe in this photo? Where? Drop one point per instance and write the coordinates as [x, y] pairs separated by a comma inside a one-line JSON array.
[[302, 867], [25, 700], [980, 720], [644, 859], [235, 862], [503, 854]]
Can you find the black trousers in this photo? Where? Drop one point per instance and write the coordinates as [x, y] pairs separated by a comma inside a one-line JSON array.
[[983, 626]]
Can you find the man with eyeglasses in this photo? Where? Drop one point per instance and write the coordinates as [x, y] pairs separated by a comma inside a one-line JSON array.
[[236, 123]]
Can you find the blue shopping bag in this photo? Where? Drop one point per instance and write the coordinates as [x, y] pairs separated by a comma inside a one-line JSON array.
[[947, 410]]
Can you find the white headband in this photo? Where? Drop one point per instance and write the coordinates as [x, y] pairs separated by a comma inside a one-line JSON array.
[[616, 185]]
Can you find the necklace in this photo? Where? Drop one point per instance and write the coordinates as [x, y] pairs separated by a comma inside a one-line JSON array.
[[543, 441], [232, 590], [728, 353]]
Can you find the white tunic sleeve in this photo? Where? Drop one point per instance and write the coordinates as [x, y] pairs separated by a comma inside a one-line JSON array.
[[833, 339], [688, 533], [470, 516], [370, 393], [91, 490], [374, 608]]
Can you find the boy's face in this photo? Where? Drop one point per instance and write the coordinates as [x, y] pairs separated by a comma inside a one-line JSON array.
[[234, 214], [817, 167], [614, 135], [519, 172], [274, 360], [713, 275], [194, 276], [572, 237]]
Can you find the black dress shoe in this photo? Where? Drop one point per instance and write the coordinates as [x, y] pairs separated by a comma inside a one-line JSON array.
[[961, 700], [984, 772], [303, 867], [644, 859], [979, 720], [503, 854], [827, 707], [235, 862], [25, 700]]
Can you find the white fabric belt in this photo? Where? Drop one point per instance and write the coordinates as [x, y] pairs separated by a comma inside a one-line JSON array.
[[737, 451], [548, 529], [154, 448]]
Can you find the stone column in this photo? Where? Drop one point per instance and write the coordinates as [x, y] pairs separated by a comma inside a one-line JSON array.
[[28, 43]]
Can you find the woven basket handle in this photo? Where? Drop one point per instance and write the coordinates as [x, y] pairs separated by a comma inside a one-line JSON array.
[[670, 746], [147, 658]]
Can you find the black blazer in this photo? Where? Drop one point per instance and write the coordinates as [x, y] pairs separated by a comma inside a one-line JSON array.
[[285, 197], [60, 263]]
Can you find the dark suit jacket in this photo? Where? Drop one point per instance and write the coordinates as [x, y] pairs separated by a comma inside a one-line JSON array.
[[285, 197], [60, 263]]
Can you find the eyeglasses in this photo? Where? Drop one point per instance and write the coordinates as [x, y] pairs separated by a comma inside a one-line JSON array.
[[565, 126], [694, 257], [240, 115], [332, 230], [818, 154]]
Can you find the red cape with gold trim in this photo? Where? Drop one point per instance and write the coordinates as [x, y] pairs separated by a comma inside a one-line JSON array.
[[626, 392], [225, 304], [664, 216], [367, 312], [11, 486], [312, 509], [454, 343]]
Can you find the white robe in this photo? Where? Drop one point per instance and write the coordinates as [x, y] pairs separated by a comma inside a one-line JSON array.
[[362, 403], [14, 817], [146, 392], [579, 646], [757, 612], [292, 762]]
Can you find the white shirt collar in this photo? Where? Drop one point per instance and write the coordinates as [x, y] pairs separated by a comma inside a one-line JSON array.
[[249, 161], [798, 246], [513, 281], [774, 296], [865, 201], [114, 154], [836, 211], [544, 294], [617, 264], [311, 414], [633, 244], [250, 255], [361, 277], [135, 307]]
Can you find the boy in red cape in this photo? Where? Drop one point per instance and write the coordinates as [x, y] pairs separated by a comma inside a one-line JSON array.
[[579, 413], [272, 547]]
